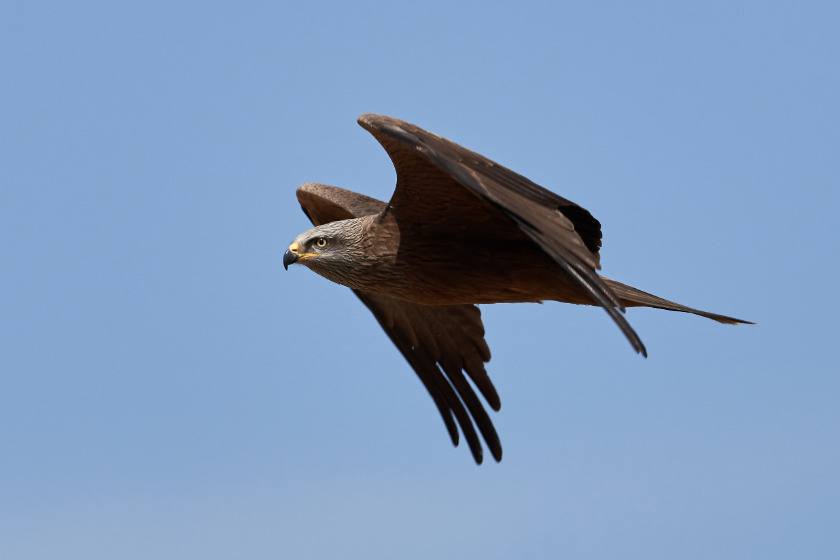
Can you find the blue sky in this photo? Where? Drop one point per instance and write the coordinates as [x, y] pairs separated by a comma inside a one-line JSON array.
[[169, 391]]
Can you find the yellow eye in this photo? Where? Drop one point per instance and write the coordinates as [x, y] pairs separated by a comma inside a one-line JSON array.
[[321, 242]]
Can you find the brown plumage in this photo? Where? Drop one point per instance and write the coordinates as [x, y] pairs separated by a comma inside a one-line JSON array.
[[459, 230]]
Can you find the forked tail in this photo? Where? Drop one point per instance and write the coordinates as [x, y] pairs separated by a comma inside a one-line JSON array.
[[631, 297]]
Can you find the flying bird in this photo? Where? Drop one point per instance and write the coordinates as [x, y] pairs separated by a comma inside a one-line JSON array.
[[459, 230]]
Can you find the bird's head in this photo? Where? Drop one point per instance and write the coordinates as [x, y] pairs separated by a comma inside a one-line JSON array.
[[333, 250]]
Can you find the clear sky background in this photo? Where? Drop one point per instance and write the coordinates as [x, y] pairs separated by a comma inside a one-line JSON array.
[[169, 391]]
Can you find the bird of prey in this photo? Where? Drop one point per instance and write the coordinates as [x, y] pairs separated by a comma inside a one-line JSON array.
[[459, 230]]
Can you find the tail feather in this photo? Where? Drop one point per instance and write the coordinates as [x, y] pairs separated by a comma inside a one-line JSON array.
[[631, 297]]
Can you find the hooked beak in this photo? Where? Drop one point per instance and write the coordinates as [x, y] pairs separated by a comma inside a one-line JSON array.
[[291, 255]]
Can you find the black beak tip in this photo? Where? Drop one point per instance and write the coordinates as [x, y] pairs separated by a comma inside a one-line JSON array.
[[288, 258]]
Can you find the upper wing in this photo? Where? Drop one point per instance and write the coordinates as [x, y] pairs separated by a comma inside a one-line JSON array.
[[440, 342], [439, 181]]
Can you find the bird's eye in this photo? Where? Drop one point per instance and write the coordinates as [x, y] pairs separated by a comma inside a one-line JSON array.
[[321, 242]]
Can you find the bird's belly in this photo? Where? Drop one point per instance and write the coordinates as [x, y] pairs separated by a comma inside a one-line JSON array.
[[510, 279], [455, 290]]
